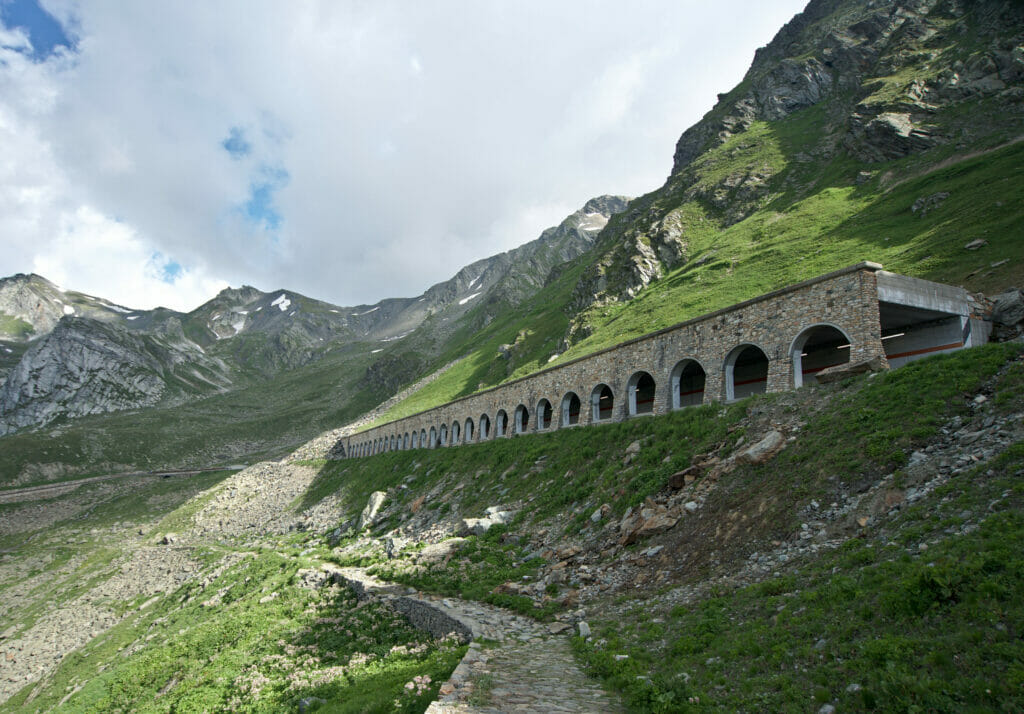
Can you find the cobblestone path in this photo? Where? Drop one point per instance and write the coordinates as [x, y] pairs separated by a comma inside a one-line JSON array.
[[514, 664]]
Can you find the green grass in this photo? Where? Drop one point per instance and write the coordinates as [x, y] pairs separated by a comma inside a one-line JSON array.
[[567, 468], [481, 565], [877, 625], [14, 328], [250, 651]]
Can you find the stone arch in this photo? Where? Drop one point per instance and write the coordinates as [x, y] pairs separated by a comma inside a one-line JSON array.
[[414, 442], [468, 431], [423, 439], [746, 371], [432, 444], [405, 442], [688, 381], [521, 422], [602, 403], [392, 443], [544, 415], [816, 348], [442, 434], [485, 427], [570, 409], [640, 390], [456, 432], [500, 424]]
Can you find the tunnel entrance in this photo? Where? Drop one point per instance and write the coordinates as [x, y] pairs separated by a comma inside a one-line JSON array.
[[602, 402], [746, 372]]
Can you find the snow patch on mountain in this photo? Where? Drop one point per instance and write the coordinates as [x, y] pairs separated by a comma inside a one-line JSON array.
[[282, 302]]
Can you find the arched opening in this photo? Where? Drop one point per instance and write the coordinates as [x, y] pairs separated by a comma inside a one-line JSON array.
[[544, 412], [570, 409], [688, 379], [640, 392], [423, 439], [601, 403], [433, 439], [818, 348], [443, 433], [405, 441], [522, 418], [746, 372], [500, 423], [415, 443], [485, 427], [456, 432], [469, 430], [392, 445]]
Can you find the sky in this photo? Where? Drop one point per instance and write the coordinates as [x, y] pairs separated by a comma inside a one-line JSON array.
[[349, 150]]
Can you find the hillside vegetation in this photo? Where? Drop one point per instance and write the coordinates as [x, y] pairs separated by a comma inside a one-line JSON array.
[[874, 562]]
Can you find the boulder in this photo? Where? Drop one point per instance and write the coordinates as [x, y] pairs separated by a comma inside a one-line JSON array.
[[478, 526], [842, 371], [645, 521], [369, 514], [762, 451], [684, 478], [889, 135], [1008, 312], [475, 526], [438, 552]]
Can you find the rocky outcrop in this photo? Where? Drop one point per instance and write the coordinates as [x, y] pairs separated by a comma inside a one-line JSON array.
[[89, 367], [1008, 314], [890, 135], [369, 515]]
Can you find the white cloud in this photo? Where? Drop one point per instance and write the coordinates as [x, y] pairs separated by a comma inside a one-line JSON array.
[[96, 255], [385, 144]]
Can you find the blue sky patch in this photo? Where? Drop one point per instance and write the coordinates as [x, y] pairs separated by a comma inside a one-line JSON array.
[[236, 144], [44, 31], [260, 209], [166, 270]]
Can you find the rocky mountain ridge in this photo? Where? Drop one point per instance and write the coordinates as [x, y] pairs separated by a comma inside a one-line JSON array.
[[79, 355]]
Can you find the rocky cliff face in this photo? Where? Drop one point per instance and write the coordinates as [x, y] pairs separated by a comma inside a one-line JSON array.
[[845, 83], [86, 366]]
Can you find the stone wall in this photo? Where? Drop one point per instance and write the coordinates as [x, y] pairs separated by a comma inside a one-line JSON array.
[[778, 324]]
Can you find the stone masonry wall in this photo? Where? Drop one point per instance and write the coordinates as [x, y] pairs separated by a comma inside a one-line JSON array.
[[846, 299]]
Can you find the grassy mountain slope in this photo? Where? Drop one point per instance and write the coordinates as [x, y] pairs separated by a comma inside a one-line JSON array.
[[782, 181]]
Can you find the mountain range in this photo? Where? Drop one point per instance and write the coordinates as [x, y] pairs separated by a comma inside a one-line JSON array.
[[886, 130]]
